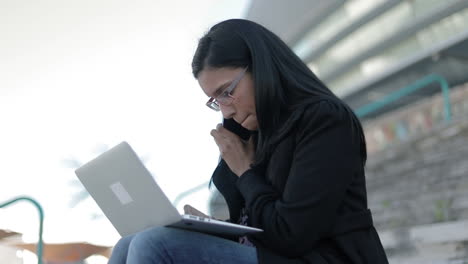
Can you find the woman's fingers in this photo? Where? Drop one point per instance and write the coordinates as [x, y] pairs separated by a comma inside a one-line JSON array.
[[224, 138], [188, 209], [237, 153]]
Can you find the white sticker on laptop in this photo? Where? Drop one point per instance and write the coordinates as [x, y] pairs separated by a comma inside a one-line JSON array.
[[122, 194]]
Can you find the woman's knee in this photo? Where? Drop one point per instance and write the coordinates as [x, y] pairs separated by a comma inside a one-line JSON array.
[[150, 239], [123, 243], [120, 250]]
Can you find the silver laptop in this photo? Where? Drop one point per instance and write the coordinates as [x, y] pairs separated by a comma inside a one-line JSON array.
[[132, 200]]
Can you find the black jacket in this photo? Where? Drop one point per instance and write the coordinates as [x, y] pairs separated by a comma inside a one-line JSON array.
[[310, 196]]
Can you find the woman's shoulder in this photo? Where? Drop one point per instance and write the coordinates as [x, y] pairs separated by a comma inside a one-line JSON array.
[[314, 112], [321, 109]]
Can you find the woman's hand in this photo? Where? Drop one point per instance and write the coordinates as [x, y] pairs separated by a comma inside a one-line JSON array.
[[238, 154], [188, 209]]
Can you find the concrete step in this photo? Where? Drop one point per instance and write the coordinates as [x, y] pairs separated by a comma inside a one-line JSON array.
[[433, 243]]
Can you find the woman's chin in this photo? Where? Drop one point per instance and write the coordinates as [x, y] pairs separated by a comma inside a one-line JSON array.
[[250, 124]]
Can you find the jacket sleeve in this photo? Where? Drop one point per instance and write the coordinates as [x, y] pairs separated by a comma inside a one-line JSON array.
[[225, 181], [324, 161]]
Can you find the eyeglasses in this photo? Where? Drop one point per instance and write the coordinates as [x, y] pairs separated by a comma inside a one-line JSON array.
[[225, 97]]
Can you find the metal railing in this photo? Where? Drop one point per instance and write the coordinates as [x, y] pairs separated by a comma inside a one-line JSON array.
[[39, 248], [418, 85]]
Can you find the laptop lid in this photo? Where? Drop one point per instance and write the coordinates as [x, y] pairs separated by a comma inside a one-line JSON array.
[[126, 191]]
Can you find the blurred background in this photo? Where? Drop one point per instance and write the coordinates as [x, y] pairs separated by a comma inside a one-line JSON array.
[[78, 77]]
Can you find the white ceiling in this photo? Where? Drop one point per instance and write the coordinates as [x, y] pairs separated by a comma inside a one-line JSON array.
[[290, 19]]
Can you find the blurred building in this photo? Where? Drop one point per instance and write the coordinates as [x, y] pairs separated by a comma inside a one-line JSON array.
[[9, 254], [363, 49], [67, 253], [366, 50], [12, 248]]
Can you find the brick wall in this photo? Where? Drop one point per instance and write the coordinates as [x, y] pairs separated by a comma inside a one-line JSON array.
[[418, 182]]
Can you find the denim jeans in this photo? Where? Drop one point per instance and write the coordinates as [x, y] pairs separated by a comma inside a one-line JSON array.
[[172, 245]]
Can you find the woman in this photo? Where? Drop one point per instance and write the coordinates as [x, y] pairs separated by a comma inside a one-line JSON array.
[[300, 175]]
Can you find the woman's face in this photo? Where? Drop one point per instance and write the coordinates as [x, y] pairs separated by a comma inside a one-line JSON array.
[[215, 81]]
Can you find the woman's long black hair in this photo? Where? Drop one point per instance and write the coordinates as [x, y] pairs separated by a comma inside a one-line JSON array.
[[282, 81]]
